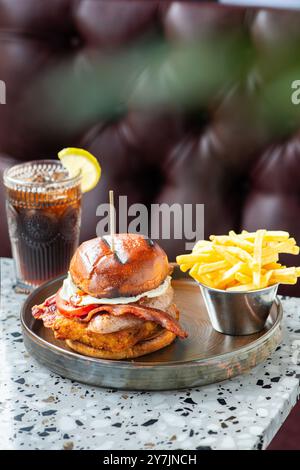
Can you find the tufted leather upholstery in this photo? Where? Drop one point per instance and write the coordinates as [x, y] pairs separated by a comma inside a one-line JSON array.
[[221, 150]]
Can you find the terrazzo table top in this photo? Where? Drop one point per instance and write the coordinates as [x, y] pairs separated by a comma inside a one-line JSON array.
[[40, 410]]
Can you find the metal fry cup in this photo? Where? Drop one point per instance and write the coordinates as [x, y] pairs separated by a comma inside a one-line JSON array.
[[238, 313]]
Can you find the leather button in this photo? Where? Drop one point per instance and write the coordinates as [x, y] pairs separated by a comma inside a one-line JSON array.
[[75, 42]]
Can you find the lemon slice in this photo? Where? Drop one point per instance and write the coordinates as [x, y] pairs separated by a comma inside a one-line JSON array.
[[76, 160]]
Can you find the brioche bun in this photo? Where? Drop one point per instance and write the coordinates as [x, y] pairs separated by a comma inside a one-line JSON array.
[[136, 265]]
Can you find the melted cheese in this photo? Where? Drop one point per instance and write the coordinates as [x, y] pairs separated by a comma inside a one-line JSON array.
[[69, 289]]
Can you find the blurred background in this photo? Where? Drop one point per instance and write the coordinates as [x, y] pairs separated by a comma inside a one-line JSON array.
[[185, 102], [180, 101]]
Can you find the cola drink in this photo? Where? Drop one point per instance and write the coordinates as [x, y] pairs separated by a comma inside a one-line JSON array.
[[43, 206]]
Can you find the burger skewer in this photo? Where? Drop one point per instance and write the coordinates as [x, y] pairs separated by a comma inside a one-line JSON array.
[[112, 219]]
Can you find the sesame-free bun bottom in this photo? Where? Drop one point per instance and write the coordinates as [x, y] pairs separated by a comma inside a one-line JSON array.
[[147, 346]]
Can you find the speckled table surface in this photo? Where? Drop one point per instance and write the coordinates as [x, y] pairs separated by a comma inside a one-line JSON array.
[[39, 410]]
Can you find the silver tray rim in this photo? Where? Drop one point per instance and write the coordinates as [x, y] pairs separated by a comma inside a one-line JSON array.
[[142, 365]]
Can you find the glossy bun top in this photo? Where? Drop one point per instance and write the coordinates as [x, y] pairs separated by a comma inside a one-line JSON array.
[[136, 265]]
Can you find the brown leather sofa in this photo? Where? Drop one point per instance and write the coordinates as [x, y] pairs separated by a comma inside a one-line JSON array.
[[236, 149], [221, 151]]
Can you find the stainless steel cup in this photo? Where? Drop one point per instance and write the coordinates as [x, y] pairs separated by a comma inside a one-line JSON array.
[[238, 313]]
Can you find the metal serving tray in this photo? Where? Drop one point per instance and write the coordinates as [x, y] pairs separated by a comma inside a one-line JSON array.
[[204, 357]]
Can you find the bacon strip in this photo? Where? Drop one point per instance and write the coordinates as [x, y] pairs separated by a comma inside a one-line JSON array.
[[145, 313], [47, 313]]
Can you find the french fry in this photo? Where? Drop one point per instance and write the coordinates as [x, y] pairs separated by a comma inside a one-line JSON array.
[[240, 253], [232, 284], [228, 276], [285, 271], [194, 270], [276, 235], [257, 256], [288, 246], [273, 258], [206, 280], [209, 267], [196, 258], [246, 269], [270, 235], [284, 280], [220, 239], [202, 246], [185, 267], [244, 244], [288, 275], [221, 250], [264, 279], [243, 278], [268, 276], [273, 266], [241, 288]]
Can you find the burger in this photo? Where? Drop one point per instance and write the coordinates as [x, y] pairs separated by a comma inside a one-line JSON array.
[[117, 301]]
